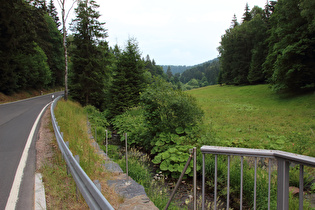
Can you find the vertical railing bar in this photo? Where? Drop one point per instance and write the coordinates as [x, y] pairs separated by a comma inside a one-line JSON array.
[[228, 185], [195, 177], [301, 186], [241, 193], [269, 181], [203, 181], [215, 180], [255, 183]]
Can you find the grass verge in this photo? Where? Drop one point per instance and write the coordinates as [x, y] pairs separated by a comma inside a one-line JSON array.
[[58, 184]]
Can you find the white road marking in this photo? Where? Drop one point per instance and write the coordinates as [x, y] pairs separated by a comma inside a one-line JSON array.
[[13, 197]]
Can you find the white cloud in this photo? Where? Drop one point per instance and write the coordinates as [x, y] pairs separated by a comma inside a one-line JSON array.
[[179, 32]]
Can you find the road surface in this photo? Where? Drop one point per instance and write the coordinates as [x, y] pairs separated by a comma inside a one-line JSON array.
[[17, 162]]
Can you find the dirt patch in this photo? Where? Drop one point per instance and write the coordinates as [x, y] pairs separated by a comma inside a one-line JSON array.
[[44, 150]]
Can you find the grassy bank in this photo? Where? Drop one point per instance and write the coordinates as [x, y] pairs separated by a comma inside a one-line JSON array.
[[73, 123], [256, 117]]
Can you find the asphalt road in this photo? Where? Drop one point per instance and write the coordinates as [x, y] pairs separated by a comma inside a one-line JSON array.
[[16, 122]]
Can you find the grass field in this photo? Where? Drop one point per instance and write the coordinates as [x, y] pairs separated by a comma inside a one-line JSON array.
[[257, 117]]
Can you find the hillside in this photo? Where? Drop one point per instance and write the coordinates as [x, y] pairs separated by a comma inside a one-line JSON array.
[[180, 69], [256, 117]]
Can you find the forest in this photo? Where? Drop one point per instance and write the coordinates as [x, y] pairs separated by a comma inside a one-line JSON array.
[[273, 45], [31, 51]]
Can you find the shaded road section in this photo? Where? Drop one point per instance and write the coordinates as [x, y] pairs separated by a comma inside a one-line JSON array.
[[16, 122]]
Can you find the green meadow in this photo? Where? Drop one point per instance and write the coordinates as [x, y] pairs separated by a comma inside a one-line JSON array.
[[257, 117]]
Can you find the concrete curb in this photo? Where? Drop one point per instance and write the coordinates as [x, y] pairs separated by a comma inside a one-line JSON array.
[[40, 199]]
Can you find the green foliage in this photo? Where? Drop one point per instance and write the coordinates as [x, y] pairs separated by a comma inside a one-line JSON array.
[[273, 45], [139, 170], [133, 123], [290, 59], [34, 69], [128, 79], [173, 161], [90, 57], [27, 49]]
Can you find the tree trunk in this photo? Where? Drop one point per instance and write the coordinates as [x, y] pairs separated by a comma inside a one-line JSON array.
[[65, 49]]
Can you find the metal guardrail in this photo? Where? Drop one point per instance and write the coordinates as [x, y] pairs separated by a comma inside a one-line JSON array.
[[89, 191], [283, 162]]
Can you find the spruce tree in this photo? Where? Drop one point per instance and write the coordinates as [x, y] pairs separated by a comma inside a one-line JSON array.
[[128, 80], [247, 16], [52, 11], [89, 73]]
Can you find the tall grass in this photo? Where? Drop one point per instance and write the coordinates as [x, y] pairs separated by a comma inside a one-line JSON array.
[[72, 120]]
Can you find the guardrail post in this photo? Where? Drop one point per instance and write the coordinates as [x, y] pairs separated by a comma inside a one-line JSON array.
[[283, 184], [68, 169], [126, 155], [106, 141], [95, 135], [77, 158]]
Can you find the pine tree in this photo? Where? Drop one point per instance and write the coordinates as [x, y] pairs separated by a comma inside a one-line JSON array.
[[88, 80], [247, 16], [128, 79], [169, 73], [234, 22], [52, 11]]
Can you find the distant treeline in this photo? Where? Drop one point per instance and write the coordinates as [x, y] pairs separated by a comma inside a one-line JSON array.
[[273, 45], [31, 50], [188, 77]]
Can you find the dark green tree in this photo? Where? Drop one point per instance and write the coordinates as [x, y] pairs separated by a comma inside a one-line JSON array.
[[128, 79], [55, 52], [291, 57], [234, 22], [169, 73], [52, 11], [247, 15], [23, 47], [89, 72]]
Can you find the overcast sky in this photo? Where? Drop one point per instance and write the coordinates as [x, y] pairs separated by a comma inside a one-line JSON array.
[[172, 32]]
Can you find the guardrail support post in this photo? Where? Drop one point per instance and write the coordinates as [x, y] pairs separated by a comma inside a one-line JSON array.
[[77, 158], [106, 141], [68, 169], [126, 155], [283, 184]]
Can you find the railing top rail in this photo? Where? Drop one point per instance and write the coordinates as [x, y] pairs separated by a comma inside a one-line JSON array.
[[301, 159]]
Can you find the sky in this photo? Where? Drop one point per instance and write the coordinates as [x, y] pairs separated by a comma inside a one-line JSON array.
[[172, 32]]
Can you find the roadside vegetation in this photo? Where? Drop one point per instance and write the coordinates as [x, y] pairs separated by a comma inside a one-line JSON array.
[[59, 185]]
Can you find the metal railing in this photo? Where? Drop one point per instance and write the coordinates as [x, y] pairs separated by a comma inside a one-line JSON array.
[[283, 160], [88, 189]]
